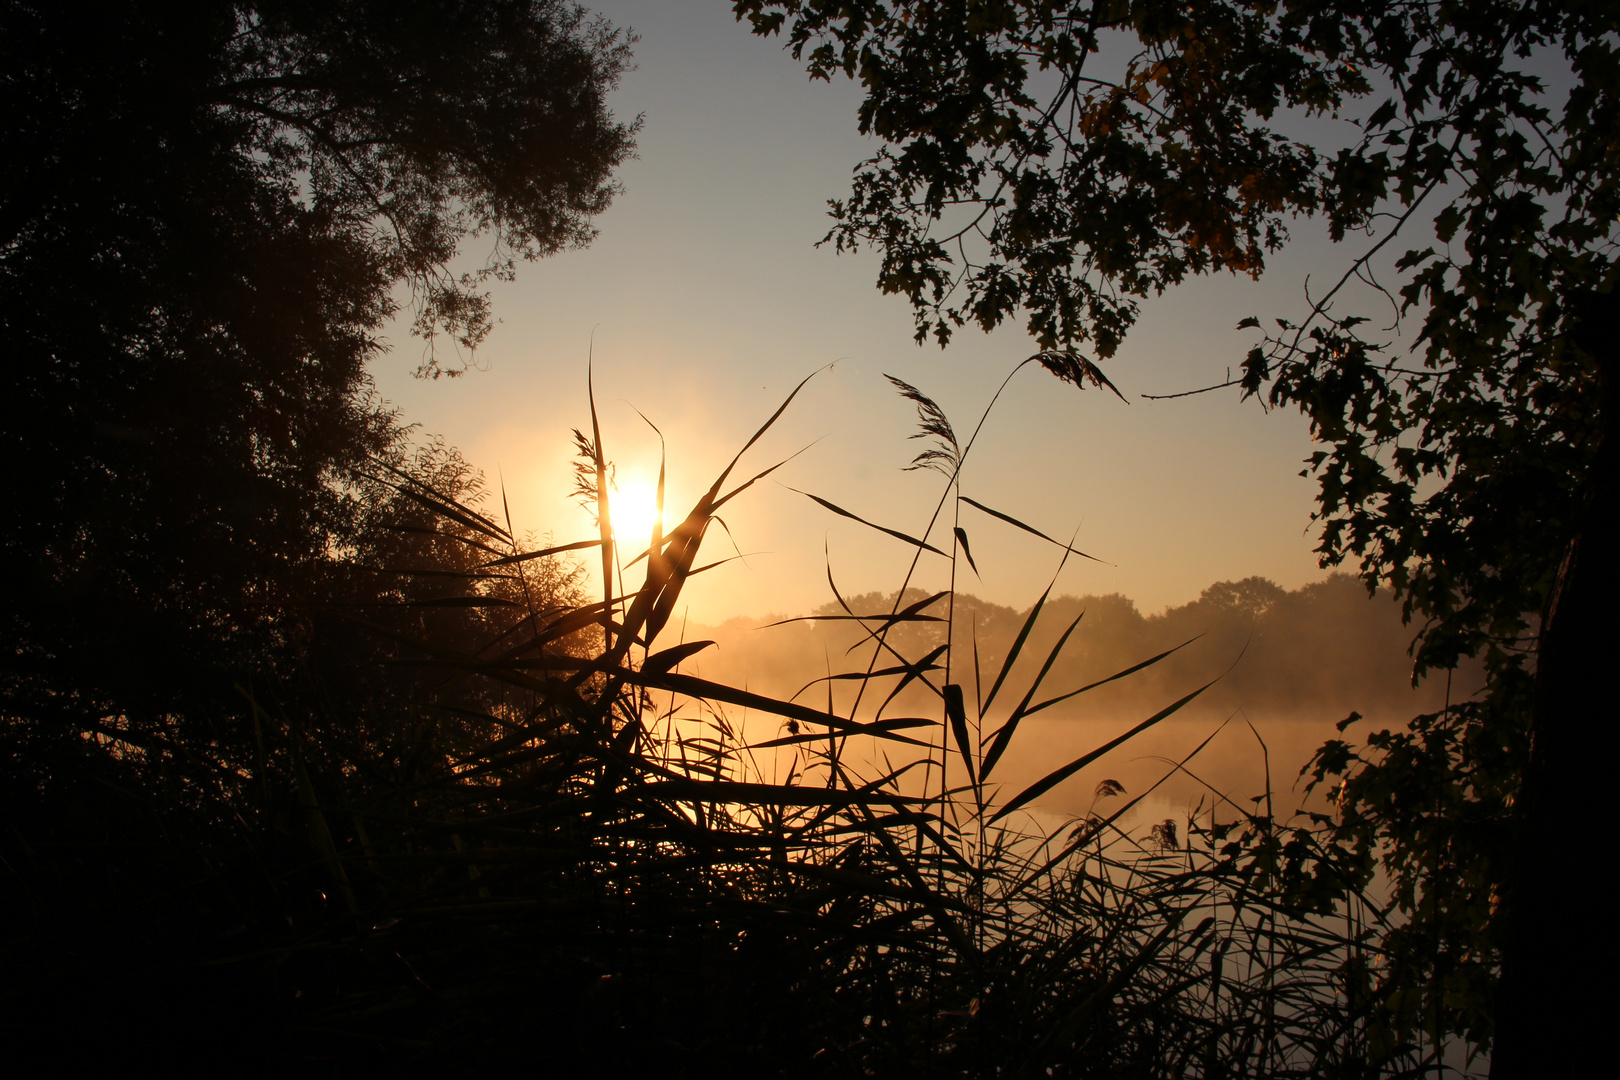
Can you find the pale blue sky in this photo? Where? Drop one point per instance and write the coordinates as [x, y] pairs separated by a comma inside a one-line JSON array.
[[709, 301]]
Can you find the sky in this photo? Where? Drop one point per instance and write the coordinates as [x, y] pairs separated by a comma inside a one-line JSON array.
[[705, 300]]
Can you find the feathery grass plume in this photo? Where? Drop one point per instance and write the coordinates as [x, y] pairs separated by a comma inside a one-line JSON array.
[[1071, 367], [946, 455], [584, 490]]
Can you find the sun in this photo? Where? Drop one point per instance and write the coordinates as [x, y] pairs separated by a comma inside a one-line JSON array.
[[634, 506]]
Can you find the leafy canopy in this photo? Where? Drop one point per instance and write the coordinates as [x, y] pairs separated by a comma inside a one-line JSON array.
[[1016, 176], [209, 212]]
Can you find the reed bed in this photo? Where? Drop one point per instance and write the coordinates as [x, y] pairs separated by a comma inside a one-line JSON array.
[[570, 854]]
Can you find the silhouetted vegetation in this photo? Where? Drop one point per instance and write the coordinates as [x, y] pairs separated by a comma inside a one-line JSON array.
[[1059, 164], [312, 763], [208, 213], [541, 836]]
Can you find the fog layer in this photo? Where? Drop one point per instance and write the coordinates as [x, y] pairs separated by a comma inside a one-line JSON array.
[[1284, 667]]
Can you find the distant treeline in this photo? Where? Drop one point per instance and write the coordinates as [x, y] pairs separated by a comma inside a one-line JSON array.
[[1314, 653]]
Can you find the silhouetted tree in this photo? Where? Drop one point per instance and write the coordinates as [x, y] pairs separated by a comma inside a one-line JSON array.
[[208, 214]]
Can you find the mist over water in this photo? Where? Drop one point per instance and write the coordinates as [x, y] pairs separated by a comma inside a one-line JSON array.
[[1285, 665]]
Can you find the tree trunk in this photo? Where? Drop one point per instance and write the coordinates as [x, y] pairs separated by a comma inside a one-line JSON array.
[[1558, 990]]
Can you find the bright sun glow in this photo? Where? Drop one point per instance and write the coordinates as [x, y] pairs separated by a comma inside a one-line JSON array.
[[634, 505]]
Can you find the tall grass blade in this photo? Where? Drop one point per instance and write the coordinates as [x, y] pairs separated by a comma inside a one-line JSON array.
[[956, 712], [666, 659], [756, 478], [667, 575], [1085, 836], [1004, 734], [897, 534], [978, 672], [883, 618], [461, 515], [911, 613], [912, 670], [657, 542], [763, 428], [694, 687], [450, 507], [1133, 669], [1057, 776], [604, 513], [1017, 648], [558, 549], [962, 539], [868, 727], [915, 671], [1009, 519]]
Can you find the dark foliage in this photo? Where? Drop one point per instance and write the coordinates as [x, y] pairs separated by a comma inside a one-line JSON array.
[[208, 213]]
